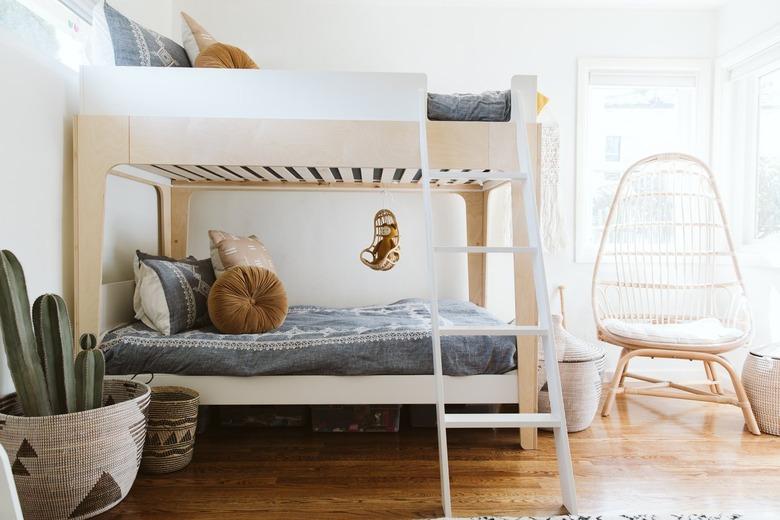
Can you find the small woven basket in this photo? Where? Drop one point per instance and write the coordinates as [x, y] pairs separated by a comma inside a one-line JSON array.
[[76, 465], [170, 439], [761, 378]]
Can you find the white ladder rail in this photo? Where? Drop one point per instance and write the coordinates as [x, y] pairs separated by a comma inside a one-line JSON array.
[[560, 432], [555, 419], [438, 371]]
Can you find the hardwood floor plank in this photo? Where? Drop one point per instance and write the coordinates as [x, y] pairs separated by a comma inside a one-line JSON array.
[[650, 455]]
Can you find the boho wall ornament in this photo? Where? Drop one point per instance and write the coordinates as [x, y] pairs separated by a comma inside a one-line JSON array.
[[385, 250]]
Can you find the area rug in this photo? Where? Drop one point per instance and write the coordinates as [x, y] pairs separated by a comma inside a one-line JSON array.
[[719, 516]]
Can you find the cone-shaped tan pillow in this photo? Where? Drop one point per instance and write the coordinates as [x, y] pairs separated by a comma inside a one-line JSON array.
[[224, 56], [247, 300], [195, 38]]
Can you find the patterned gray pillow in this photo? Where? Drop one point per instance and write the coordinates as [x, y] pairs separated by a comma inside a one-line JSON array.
[[136, 45], [184, 286]]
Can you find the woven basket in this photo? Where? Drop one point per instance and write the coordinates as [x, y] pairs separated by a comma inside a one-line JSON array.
[[76, 465], [761, 378], [170, 440], [580, 364]]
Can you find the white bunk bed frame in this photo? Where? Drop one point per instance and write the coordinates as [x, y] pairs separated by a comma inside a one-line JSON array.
[[185, 130]]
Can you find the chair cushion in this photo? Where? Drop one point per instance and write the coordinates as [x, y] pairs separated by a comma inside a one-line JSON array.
[[247, 300], [708, 331]]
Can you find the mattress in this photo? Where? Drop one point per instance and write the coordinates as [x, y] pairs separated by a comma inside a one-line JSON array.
[[381, 339]]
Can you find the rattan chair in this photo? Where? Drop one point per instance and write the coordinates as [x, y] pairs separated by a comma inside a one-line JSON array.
[[666, 283]]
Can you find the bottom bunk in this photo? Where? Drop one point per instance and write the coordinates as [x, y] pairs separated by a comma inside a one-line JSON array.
[[392, 339]]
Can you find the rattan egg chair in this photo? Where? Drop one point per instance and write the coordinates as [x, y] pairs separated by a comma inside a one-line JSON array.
[[666, 283]]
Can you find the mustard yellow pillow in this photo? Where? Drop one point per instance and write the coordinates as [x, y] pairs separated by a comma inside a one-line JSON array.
[[224, 56], [247, 300], [206, 52]]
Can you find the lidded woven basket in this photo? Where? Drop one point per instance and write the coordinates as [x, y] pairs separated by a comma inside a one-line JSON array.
[[76, 465], [580, 364], [173, 419], [761, 378]]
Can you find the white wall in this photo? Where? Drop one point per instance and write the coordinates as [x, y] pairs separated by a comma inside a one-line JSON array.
[[38, 98], [464, 45], [315, 238], [741, 20]]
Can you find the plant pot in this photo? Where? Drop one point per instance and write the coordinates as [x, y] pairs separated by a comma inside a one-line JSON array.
[[76, 465]]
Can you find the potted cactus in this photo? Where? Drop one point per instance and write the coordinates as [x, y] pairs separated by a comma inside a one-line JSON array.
[[74, 441]]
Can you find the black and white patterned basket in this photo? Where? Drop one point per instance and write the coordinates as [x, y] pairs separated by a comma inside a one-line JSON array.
[[76, 465], [173, 419]]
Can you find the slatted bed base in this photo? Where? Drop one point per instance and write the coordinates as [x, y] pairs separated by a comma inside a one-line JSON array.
[[200, 174]]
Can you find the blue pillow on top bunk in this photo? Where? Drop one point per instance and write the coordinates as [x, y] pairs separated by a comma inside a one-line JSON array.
[[488, 106], [118, 40], [171, 295]]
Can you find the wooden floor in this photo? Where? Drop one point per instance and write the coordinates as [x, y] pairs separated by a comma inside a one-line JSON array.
[[651, 456]]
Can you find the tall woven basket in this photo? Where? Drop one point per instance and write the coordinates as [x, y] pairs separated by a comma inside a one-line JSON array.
[[761, 377], [173, 419], [76, 465], [580, 364]]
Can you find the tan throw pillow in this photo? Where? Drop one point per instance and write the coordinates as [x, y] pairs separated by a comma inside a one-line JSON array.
[[194, 37], [247, 300], [206, 52], [224, 56], [229, 250]]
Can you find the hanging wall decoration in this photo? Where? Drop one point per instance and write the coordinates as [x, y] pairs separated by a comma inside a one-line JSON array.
[[385, 250]]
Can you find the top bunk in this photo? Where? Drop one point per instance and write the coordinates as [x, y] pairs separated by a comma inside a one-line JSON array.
[[229, 128]]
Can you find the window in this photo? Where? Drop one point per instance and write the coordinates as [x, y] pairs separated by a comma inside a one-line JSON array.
[[748, 137], [628, 110], [767, 195], [56, 29]]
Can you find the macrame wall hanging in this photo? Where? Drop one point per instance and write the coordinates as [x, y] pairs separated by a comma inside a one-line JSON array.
[[553, 234], [385, 250]]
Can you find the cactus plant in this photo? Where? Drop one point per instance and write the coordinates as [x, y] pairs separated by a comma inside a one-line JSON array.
[[39, 349], [55, 350], [90, 369], [19, 338]]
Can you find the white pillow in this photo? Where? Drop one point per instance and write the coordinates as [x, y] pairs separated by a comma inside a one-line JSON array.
[[100, 48], [149, 301]]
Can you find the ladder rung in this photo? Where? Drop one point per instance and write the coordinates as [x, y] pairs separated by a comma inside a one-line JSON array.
[[478, 176], [501, 420], [497, 330], [485, 249]]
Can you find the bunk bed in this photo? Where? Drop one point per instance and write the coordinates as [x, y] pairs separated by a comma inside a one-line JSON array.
[[186, 130]]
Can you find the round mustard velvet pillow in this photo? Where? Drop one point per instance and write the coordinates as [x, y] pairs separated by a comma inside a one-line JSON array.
[[224, 56], [247, 300]]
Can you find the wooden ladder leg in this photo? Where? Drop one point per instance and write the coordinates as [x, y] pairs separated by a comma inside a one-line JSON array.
[[618, 381], [744, 403]]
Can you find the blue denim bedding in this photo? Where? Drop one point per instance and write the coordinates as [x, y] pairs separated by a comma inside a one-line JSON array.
[[494, 105], [381, 339]]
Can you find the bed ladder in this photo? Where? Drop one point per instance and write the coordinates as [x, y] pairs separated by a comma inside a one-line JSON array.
[[555, 419]]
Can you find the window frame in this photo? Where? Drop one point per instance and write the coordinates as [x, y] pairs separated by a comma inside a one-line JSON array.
[[736, 139], [700, 70]]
